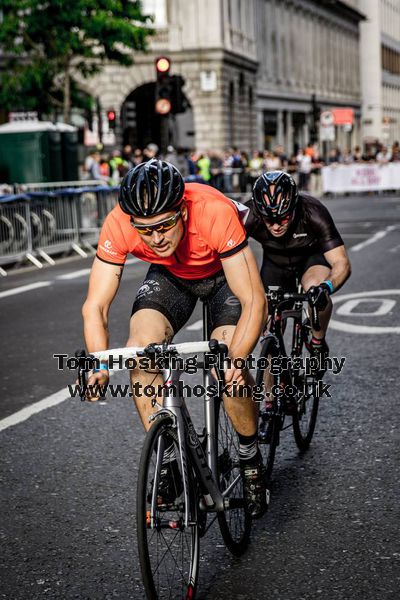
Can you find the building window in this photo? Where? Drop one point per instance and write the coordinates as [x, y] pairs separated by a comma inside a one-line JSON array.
[[390, 60]]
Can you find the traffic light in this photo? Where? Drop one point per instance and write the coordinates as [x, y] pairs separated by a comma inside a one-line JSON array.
[[169, 94], [179, 102], [164, 85], [112, 118]]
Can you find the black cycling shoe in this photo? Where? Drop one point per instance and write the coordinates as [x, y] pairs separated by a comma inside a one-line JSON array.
[[255, 488], [321, 352], [170, 485]]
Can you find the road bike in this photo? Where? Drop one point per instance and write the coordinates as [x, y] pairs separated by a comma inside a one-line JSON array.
[[288, 378], [205, 479]]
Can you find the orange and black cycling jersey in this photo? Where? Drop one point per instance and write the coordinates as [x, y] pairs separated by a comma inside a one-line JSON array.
[[213, 231]]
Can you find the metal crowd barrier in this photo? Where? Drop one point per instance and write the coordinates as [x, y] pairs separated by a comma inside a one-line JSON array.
[[37, 224]]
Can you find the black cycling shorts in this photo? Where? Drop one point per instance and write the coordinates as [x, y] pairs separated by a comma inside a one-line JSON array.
[[176, 298], [288, 276]]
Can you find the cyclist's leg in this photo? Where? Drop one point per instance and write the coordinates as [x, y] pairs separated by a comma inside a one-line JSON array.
[[315, 270], [284, 276], [241, 410], [225, 312], [160, 309]]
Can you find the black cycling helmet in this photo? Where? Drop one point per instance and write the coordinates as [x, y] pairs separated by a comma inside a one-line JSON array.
[[284, 199], [151, 188]]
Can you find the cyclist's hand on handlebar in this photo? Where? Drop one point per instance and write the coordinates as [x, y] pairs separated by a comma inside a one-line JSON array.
[[318, 296], [95, 381]]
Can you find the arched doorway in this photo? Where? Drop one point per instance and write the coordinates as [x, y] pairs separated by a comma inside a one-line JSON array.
[[142, 125]]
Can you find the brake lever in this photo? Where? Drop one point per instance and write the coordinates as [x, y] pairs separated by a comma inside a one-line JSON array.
[[82, 372], [220, 350], [315, 318]]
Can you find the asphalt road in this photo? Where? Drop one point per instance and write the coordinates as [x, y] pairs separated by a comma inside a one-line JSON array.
[[69, 472]]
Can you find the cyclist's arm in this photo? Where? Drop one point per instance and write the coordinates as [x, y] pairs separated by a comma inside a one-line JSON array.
[[243, 278], [340, 266], [103, 285]]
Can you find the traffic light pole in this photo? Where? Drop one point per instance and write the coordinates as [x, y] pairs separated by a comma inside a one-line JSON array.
[[164, 133], [99, 120]]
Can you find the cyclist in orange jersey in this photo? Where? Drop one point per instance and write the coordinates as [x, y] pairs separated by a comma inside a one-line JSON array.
[[194, 240]]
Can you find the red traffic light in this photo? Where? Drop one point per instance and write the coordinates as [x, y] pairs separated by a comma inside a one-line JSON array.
[[163, 106], [163, 64], [111, 115]]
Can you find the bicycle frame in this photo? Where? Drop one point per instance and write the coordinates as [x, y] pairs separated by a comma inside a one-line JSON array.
[[280, 316], [175, 407], [205, 463]]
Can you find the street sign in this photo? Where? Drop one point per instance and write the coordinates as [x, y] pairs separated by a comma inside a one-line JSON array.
[[327, 133], [343, 116], [23, 116], [208, 81], [326, 118]]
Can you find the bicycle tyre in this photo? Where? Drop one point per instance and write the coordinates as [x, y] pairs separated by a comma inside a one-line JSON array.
[[268, 450], [234, 523], [166, 572], [305, 417]]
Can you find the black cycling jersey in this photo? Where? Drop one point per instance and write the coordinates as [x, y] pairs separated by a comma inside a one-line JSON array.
[[311, 232]]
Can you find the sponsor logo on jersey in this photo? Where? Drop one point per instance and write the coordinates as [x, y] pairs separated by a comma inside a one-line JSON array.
[[230, 243], [297, 235], [106, 247]]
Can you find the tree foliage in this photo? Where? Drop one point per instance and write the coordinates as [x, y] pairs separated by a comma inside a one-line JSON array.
[[48, 45]]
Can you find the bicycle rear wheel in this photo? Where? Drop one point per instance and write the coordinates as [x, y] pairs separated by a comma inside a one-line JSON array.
[[234, 523], [168, 550], [269, 424], [305, 417]]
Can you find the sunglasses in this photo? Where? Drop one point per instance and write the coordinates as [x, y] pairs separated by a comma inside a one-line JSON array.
[[160, 227], [278, 220]]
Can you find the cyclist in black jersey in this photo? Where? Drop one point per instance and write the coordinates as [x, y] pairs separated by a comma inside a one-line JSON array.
[[300, 242]]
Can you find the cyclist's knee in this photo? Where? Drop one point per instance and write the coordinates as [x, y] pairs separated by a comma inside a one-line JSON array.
[[224, 333], [149, 327]]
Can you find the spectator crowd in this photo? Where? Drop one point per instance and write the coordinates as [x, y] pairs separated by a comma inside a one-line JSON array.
[[234, 170]]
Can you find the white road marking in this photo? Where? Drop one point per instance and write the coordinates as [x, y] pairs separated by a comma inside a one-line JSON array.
[[385, 305], [28, 411], [196, 326], [53, 400], [363, 329], [83, 272], [367, 329], [74, 274], [355, 235], [395, 249], [377, 236], [66, 276], [24, 288]]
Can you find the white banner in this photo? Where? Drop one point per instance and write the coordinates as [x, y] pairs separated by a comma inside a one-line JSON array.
[[358, 177]]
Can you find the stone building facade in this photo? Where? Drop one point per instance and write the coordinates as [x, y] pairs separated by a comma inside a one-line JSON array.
[[251, 69], [307, 52], [380, 70]]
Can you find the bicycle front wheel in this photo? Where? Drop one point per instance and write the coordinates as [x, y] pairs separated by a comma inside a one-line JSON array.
[[168, 549], [234, 523], [307, 401]]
